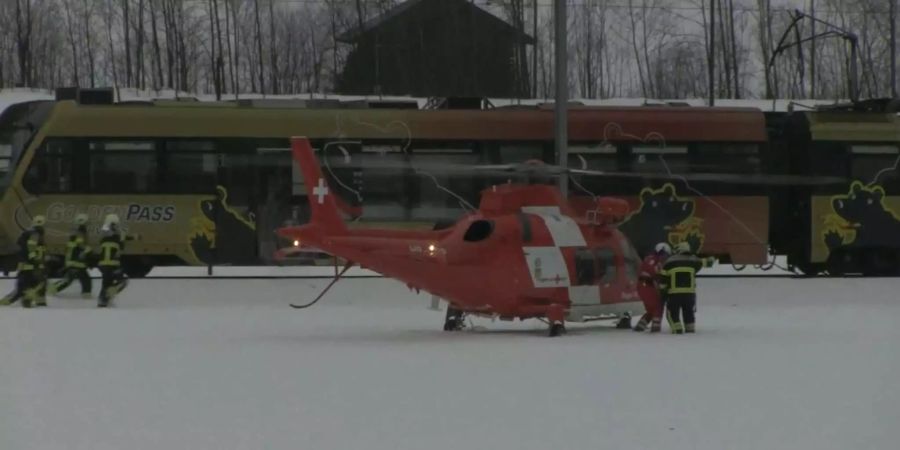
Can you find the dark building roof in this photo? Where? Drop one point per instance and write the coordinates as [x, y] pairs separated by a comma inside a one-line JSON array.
[[398, 12]]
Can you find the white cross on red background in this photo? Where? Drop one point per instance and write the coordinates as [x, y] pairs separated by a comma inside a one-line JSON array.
[[321, 191]]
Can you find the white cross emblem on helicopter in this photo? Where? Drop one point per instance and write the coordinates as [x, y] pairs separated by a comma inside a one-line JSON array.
[[321, 191]]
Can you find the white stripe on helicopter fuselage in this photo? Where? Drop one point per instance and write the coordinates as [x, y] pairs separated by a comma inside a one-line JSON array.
[[547, 264], [563, 230], [548, 269]]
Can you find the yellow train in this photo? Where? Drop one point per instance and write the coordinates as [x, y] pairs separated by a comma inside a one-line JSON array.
[[209, 182]]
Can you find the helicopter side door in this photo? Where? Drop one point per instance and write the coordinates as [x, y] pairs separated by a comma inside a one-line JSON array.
[[594, 268]]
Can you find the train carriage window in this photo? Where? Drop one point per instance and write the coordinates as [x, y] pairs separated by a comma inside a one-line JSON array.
[[868, 162], [123, 167], [863, 149], [606, 264], [602, 157], [517, 153], [5, 157], [52, 170], [828, 158], [736, 158], [659, 158], [237, 173], [191, 166], [435, 194], [384, 191]]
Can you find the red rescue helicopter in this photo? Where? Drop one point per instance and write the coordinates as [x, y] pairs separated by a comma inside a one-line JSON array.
[[523, 254]]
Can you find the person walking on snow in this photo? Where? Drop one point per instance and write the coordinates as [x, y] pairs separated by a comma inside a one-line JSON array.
[[679, 278], [76, 261], [112, 243], [31, 282], [648, 288]]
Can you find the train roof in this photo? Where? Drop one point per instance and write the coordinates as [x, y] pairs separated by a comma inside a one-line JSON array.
[[228, 119]]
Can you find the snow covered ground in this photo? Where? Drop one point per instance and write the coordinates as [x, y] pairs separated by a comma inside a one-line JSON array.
[[225, 364]]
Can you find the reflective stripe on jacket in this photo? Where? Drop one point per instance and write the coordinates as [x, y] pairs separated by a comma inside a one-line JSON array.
[[679, 273]]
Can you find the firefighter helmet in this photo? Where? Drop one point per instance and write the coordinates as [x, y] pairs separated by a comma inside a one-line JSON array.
[[663, 248], [682, 247]]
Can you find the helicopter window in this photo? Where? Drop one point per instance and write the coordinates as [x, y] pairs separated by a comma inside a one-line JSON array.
[[584, 267], [526, 228], [479, 230], [606, 264]]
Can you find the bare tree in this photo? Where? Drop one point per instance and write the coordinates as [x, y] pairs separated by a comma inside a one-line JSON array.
[[892, 16], [141, 79], [259, 46], [157, 54], [87, 11], [812, 50], [108, 18], [641, 68], [24, 27], [273, 52], [127, 33], [70, 31], [231, 56], [213, 66]]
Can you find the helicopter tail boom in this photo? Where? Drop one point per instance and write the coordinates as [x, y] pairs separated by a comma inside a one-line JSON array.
[[322, 202]]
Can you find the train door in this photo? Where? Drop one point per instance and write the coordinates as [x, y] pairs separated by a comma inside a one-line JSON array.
[[235, 208], [272, 196]]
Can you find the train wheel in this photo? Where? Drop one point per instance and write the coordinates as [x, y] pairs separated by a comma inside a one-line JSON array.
[[840, 262], [808, 269], [879, 262], [136, 269]]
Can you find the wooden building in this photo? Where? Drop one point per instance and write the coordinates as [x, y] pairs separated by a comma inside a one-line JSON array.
[[436, 48]]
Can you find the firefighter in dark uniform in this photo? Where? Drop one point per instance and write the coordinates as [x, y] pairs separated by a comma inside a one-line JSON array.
[[112, 243], [76, 262], [679, 282], [31, 283]]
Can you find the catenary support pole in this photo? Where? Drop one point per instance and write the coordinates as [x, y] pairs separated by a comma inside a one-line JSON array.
[[562, 93]]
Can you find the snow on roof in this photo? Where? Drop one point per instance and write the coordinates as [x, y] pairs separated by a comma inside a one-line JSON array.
[[19, 95]]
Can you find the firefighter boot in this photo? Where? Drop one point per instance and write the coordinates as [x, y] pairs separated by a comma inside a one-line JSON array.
[[625, 322], [642, 324]]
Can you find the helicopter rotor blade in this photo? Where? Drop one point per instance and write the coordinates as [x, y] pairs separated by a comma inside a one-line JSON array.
[[551, 170], [727, 178]]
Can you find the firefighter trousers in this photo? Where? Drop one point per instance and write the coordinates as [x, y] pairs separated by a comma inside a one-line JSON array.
[[678, 305], [113, 282], [70, 275], [33, 288], [17, 293], [654, 303]]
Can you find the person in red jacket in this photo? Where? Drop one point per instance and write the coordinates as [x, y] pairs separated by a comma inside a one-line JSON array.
[[648, 288]]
